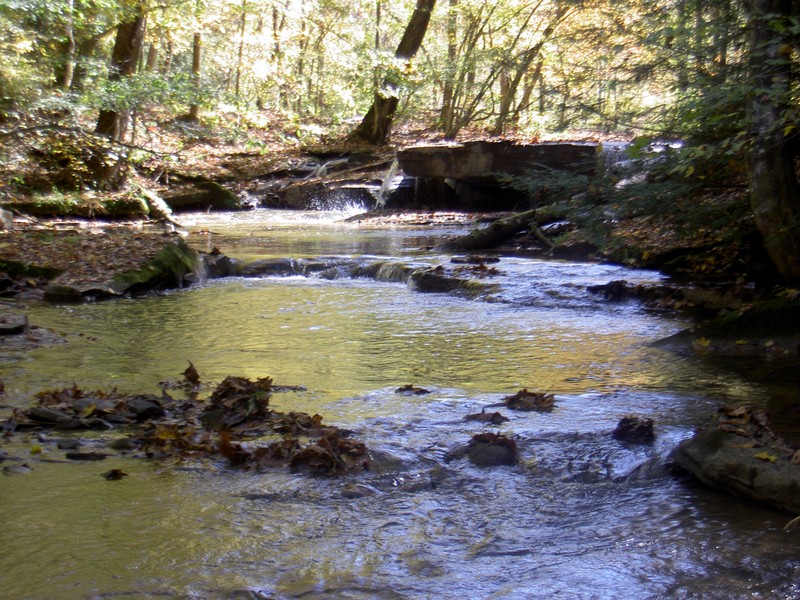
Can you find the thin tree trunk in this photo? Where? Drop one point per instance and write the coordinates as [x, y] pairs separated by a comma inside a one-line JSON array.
[[377, 123], [152, 58], [447, 113], [774, 191], [524, 66], [197, 64], [240, 59], [110, 172], [68, 68]]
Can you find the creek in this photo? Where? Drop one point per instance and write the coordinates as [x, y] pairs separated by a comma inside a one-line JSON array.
[[581, 516]]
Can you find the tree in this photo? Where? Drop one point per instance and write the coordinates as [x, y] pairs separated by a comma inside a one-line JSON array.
[[377, 123], [522, 67], [774, 191], [113, 122]]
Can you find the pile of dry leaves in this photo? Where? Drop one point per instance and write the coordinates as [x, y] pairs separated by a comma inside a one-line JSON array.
[[234, 423]]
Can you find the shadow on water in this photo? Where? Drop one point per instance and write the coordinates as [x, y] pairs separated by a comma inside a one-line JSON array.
[[581, 515]]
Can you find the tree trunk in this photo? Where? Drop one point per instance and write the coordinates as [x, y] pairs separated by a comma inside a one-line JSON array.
[[240, 57], [447, 113], [523, 67], [109, 172], [377, 123], [774, 191], [68, 68], [197, 64]]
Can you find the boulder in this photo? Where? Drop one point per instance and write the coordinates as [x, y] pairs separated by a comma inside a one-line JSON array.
[[491, 450], [634, 430], [739, 454], [168, 269], [206, 195]]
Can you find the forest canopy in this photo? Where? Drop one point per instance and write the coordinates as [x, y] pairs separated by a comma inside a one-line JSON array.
[[514, 66]]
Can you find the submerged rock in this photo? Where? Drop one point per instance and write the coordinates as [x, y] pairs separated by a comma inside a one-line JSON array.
[[740, 454]]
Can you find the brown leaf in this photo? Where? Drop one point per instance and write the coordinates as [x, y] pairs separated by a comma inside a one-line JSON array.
[[191, 374]]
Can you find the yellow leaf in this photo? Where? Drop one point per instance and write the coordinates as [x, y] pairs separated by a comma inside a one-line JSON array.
[[703, 342], [741, 342], [766, 456], [36, 449], [87, 412]]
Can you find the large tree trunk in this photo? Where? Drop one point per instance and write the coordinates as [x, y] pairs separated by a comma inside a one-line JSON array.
[[377, 123], [774, 191], [110, 171]]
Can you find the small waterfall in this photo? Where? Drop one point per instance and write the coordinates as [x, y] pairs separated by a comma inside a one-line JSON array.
[[388, 185]]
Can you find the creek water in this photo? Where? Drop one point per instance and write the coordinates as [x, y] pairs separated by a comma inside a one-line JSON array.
[[581, 516]]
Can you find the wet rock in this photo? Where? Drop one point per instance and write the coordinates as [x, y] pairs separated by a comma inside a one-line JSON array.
[[205, 195], [493, 418], [62, 293], [410, 390], [267, 267], [491, 450], [43, 414], [124, 444], [612, 291], [634, 430], [218, 265], [114, 475], [528, 401], [22, 469], [170, 268], [13, 323], [86, 456], [740, 454], [68, 444], [143, 407], [435, 281]]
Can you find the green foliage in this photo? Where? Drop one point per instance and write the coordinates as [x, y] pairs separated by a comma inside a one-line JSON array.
[[147, 90]]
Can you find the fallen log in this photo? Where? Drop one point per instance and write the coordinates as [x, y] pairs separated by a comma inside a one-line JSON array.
[[498, 232]]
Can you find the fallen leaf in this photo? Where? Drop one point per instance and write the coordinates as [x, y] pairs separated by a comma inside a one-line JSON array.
[[766, 457], [703, 342]]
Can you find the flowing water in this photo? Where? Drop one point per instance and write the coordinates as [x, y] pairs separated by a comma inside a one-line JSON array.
[[581, 516]]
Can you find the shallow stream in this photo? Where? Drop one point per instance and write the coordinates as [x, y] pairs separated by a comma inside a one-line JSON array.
[[582, 516]]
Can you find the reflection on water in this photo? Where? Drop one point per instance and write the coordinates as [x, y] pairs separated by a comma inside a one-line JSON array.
[[581, 517]]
